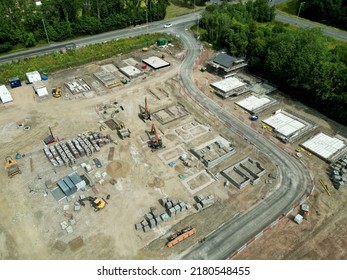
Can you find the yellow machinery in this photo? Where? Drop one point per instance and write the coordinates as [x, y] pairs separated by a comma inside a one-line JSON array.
[[56, 92], [12, 167], [325, 187], [97, 203]]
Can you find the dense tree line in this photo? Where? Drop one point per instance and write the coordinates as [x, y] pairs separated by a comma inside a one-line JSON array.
[[24, 23], [300, 61], [330, 12]]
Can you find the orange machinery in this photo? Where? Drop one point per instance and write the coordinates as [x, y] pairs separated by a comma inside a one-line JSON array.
[[180, 236]]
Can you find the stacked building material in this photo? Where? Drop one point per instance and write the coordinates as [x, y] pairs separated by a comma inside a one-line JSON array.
[[56, 155], [50, 156], [62, 154], [72, 149], [203, 202], [78, 147], [68, 153], [85, 146], [93, 138]]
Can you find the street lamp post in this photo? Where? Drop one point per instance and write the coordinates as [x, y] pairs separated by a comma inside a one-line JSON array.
[[300, 8], [44, 26], [147, 20]]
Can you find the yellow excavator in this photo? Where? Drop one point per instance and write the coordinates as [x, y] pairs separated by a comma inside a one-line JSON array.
[[97, 203], [12, 167], [56, 92]]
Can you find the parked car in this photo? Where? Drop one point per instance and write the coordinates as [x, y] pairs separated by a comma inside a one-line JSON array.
[[167, 25], [97, 162]]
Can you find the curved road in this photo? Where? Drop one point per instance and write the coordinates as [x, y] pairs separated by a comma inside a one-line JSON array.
[[295, 183]]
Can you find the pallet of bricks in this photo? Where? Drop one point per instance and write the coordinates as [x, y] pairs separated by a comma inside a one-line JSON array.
[[66, 153]]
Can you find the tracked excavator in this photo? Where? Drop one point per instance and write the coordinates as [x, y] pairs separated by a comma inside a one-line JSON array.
[[156, 142], [97, 203], [145, 114]]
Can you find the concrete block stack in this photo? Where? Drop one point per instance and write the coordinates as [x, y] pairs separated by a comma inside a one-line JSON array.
[[85, 146], [68, 153], [50, 156], [72, 149], [62, 154], [202, 202], [78, 147], [56, 155]]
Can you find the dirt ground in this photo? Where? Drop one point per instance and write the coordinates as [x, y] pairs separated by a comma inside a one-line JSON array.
[[30, 216]]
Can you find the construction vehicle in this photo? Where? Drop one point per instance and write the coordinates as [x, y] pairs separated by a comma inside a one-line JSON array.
[[97, 203], [145, 114], [56, 92], [156, 142], [122, 130], [180, 236], [12, 167]]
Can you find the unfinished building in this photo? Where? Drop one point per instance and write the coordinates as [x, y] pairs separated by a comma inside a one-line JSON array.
[[243, 173], [190, 131], [170, 114], [224, 64], [108, 79], [78, 86], [130, 71], [255, 104], [229, 87], [326, 147], [286, 126], [155, 62], [214, 151]]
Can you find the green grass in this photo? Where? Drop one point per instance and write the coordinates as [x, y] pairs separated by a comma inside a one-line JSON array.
[[175, 10], [289, 7], [56, 61]]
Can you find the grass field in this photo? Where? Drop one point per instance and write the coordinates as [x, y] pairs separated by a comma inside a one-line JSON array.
[[56, 61], [176, 8], [290, 7]]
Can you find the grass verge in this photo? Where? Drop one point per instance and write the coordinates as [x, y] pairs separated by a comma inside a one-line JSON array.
[[62, 60]]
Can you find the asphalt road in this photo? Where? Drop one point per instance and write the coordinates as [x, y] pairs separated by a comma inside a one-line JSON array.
[[155, 27], [332, 32], [294, 184], [104, 37], [295, 181]]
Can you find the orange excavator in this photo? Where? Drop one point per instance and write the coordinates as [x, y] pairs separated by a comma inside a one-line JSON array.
[[146, 115], [156, 142]]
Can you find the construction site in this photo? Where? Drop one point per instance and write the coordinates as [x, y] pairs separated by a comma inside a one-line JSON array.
[[117, 152]]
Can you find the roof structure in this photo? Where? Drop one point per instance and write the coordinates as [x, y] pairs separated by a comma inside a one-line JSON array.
[[33, 76], [156, 62], [5, 95], [324, 146], [224, 60], [255, 104], [228, 87], [225, 65], [284, 124], [130, 71], [40, 88]]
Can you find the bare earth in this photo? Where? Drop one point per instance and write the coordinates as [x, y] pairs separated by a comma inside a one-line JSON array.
[[30, 217]]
